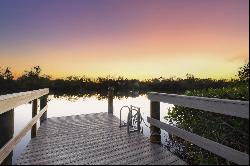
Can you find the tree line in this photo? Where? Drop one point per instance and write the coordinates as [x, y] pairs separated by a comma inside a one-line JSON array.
[[34, 79]]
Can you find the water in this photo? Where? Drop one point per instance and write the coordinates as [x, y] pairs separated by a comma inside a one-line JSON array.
[[65, 106]]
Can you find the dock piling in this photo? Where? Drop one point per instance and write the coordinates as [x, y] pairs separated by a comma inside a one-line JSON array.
[[110, 100], [6, 132], [34, 113], [155, 132], [43, 103]]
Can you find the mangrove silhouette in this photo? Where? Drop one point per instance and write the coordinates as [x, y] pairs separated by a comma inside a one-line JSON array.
[[34, 79]]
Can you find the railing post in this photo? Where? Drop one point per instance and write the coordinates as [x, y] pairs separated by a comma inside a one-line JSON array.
[[139, 120], [130, 116], [155, 132], [6, 132], [110, 100], [34, 113], [43, 103]]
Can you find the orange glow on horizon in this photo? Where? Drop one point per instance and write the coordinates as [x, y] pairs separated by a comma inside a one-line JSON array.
[[129, 39]]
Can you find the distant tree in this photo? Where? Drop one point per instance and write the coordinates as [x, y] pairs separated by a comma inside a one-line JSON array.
[[243, 73], [1, 73], [45, 76], [8, 74], [33, 79], [190, 76], [34, 73]]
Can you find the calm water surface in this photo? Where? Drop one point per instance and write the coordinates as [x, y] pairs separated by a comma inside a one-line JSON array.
[[65, 106]]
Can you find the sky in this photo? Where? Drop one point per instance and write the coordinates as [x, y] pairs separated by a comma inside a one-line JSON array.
[[130, 38]]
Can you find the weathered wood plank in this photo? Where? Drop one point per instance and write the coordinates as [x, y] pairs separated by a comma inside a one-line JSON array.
[[214, 147], [6, 150], [90, 146], [10, 101], [222, 106]]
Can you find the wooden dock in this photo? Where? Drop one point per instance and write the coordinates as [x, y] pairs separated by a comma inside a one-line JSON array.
[[92, 139], [98, 138]]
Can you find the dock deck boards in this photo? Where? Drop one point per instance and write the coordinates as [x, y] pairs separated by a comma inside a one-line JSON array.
[[92, 139]]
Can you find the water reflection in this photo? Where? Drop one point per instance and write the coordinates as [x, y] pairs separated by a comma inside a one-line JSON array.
[[98, 95], [67, 105], [22, 116]]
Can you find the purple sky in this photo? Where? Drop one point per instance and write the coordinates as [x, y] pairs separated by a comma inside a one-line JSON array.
[[124, 31]]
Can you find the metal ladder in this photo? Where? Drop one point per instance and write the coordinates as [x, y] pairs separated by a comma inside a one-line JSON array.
[[133, 123]]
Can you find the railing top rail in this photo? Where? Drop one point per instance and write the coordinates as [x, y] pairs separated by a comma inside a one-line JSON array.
[[7, 96], [10, 101], [223, 106], [150, 94]]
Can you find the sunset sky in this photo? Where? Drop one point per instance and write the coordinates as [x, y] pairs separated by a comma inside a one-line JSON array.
[[131, 38]]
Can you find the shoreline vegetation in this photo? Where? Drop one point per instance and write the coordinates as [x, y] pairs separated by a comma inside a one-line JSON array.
[[230, 131], [34, 79]]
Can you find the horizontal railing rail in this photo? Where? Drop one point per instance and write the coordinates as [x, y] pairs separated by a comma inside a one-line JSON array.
[[10, 101], [222, 106], [214, 147], [7, 104]]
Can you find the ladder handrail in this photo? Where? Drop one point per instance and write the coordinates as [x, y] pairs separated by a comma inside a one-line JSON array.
[[121, 114], [130, 118]]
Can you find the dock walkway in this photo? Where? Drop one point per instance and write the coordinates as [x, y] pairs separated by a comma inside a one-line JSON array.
[[92, 139], [97, 138]]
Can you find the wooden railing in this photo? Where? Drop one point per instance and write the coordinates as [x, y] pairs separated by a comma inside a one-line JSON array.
[[7, 105], [222, 106]]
